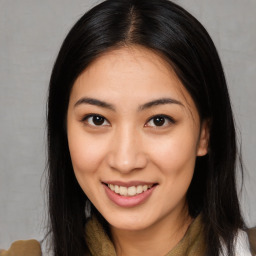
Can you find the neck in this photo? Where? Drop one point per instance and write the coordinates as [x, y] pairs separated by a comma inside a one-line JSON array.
[[158, 239]]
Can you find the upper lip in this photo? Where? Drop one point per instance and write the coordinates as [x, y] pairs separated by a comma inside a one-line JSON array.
[[129, 183]]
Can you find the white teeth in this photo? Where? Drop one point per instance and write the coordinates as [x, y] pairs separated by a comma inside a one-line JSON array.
[[117, 189], [130, 191], [139, 189], [123, 191], [145, 187]]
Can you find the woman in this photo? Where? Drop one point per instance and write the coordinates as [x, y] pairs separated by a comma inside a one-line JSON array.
[[141, 137]]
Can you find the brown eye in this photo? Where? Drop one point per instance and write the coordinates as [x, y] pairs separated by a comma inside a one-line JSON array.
[[96, 120], [160, 121]]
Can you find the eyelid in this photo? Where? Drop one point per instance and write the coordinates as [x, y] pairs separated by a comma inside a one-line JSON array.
[[169, 119], [86, 117]]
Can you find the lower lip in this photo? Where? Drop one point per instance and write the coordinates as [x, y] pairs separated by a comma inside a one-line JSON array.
[[128, 201]]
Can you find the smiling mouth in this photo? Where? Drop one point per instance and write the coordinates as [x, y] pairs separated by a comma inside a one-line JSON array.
[[129, 191]]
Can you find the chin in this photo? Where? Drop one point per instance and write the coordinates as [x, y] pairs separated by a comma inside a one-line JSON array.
[[129, 222]]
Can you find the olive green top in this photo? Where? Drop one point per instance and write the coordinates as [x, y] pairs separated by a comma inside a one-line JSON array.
[[23, 248], [99, 243], [192, 243]]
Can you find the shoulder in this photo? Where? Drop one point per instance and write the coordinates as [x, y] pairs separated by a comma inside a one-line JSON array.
[[252, 239], [242, 245], [23, 248], [245, 243]]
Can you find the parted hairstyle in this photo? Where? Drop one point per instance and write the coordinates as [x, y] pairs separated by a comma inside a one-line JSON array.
[[182, 41]]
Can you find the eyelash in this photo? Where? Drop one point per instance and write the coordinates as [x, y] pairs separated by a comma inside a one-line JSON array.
[[85, 119], [169, 119]]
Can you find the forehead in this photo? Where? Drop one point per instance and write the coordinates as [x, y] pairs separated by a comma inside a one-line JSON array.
[[130, 75]]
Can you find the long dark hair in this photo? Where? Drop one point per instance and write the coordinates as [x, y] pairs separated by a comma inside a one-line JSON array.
[[177, 36]]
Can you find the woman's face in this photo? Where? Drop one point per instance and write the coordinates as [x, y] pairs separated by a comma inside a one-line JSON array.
[[134, 134]]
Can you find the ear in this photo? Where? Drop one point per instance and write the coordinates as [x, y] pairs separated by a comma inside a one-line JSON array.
[[202, 146]]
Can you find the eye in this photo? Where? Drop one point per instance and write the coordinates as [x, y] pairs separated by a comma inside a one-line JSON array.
[[95, 120], [160, 121]]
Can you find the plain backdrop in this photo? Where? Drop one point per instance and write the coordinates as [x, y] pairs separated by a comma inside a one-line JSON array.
[[31, 32]]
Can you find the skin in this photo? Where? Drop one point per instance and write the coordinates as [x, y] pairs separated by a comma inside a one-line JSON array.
[[129, 146]]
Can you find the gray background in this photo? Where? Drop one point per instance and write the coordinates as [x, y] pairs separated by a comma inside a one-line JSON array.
[[31, 32]]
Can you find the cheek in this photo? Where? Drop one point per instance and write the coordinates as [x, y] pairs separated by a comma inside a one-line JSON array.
[[176, 154], [86, 153], [86, 156]]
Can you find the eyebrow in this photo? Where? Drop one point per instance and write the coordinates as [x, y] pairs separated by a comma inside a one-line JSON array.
[[103, 104], [161, 101], [94, 102]]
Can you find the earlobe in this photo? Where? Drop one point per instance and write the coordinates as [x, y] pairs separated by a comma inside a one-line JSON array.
[[202, 148]]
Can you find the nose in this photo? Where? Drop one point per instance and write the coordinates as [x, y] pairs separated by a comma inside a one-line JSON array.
[[126, 151]]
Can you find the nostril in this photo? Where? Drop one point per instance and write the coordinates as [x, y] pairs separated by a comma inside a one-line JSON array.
[[124, 162]]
